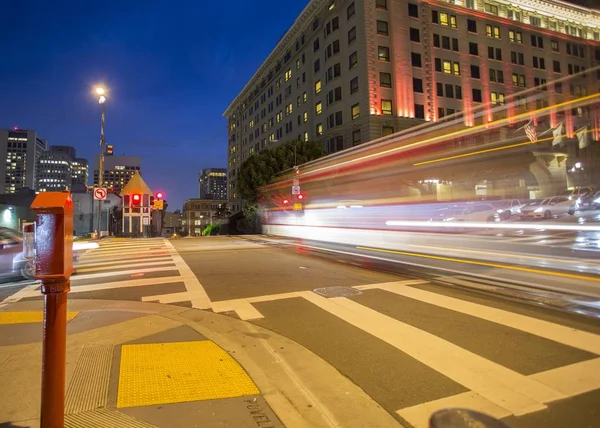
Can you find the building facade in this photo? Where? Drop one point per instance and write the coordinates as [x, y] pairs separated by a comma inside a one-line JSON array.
[[59, 169], [118, 170], [349, 71], [199, 213], [212, 183], [21, 150]]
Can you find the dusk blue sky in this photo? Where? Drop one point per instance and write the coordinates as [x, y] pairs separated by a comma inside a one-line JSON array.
[[171, 68]]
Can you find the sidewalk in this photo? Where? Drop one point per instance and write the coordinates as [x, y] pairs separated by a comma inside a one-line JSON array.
[[150, 365]]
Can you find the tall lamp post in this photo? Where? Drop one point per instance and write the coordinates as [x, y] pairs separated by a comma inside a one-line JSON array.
[[102, 101]]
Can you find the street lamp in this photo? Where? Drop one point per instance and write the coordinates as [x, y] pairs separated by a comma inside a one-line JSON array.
[[101, 92]]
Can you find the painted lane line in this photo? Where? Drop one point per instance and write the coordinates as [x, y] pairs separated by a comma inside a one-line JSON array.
[[192, 284], [242, 308], [120, 262], [22, 293], [76, 278], [557, 333], [502, 386], [571, 380], [486, 264], [135, 265]]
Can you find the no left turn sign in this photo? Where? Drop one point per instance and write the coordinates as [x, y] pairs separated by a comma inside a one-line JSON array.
[[99, 193]]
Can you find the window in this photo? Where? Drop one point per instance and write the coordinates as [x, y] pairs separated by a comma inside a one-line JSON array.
[[455, 45], [494, 53], [515, 36], [458, 92], [517, 58], [386, 107], [305, 136], [354, 85], [317, 86], [417, 85], [383, 53], [387, 130], [319, 108], [335, 23], [355, 111], [316, 45], [456, 68], [353, 60], [490, 8], [288, 109], [447, 67], [477, 95], [319, 129], [413, 10], [556, 66], [415, 59], [496, 76], [439, 89], [381, 4], [305, 117], [535, 20], [558, 87], [473, 48], [447, 20], [382, 28], [298, 64], [449, 90], [436, 41], [446, 43], [435, 17], [537, 42], [352, 35], [492, 31], [317, 65], [471, 26], [288, 75], [351, 11], [334, 95], [356, 137], [414, 35], [539, 63], [419, 111], [496, 98], [440, 112], [554, 45], [385, 80], [475, 72], [304, 97]]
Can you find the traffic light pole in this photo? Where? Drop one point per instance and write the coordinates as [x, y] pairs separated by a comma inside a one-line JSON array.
[[101, 166]]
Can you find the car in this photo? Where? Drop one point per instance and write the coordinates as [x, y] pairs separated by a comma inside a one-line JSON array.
[[476, 212], [547, 208], [12, 260], [508, 208], [590, 201], [577, 193]]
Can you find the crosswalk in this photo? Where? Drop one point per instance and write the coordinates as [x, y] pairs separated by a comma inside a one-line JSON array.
[[401, 315], [141, 269]]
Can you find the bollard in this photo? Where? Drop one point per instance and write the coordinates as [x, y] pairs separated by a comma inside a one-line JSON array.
[[54, 264]]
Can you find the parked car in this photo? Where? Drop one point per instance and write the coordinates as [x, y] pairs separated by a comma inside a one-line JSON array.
[[476, 212], [507, 208], [547, 208], [12, 260]]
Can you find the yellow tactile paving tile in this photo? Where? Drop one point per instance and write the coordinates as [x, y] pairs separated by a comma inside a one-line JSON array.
[[27, 317], [161, 373]]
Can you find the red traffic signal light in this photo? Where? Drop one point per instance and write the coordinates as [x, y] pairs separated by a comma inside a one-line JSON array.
[[286, 201], [301, 196], [136, 199], [159, 195]]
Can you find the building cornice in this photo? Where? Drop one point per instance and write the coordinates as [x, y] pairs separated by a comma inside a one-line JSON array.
[[307, 16]]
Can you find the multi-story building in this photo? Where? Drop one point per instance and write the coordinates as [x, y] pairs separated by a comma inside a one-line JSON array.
[[20, 149], [59, 169], [349, 72], [199, 213], [118, 170], [212, 183]]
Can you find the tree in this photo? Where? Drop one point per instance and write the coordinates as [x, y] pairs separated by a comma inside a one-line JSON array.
[[260, 169], [223, 212]]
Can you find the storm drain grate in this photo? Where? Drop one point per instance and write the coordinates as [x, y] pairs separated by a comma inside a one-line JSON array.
[[337, 291]]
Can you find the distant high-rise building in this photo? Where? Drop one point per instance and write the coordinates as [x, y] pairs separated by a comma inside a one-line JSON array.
[[212, 183], [118, 170], [20, 150], [59, 169]]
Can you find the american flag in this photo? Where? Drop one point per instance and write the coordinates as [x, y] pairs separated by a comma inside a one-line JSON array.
[[530, 131]]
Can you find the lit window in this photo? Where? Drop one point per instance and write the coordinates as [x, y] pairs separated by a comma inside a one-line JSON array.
[[355, 111], [453, 21], [305, 136], [319, 108], [298, 64], [384, 53], [319, 129], [317, 87], [288, 75], [386, 107], [305, 116], [304, 97], [444, 19], [447, 67], [456, 68]]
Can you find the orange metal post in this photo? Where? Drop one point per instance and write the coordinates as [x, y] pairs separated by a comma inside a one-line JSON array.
[[54, 264]]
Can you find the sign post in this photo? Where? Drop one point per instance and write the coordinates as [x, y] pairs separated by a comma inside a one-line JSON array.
[[100, 193]]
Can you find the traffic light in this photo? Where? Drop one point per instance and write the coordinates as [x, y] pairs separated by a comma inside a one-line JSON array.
[[109, 150], [301, 196], [159, 196], [286, 201], [136, 199]]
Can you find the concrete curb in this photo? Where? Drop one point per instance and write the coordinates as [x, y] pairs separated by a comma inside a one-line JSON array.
[[301, 388]]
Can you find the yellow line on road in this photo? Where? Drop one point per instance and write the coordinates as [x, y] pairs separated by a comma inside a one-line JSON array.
[[494, 265]]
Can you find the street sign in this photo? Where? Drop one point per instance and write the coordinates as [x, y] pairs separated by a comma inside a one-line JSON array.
[[146, 221], [295, 190], [158, 205], [100, 193]]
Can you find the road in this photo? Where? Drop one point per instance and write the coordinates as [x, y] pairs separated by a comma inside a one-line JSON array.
[[412, 338]]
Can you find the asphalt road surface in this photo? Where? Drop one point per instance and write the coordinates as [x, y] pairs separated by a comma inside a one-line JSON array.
[[408, 336]]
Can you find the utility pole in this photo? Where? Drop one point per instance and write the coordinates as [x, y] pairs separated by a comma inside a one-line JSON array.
[[102, 102]]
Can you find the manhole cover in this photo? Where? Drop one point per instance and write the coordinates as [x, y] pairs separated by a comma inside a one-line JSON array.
[[337, 291]]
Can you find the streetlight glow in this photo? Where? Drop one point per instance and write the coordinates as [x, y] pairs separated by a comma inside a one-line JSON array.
[[102, 99], [100, 91]]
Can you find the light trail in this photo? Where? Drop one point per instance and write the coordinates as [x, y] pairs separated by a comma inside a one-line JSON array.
[[483, 225]]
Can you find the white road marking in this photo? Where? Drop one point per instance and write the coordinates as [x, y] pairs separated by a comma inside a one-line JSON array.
[[97, 268], [191, 282], [500, 385], [121, 272], [558, 333], [120, 261], [573, 379], [242, 307]]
